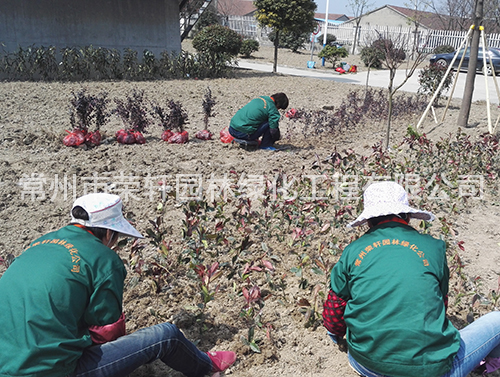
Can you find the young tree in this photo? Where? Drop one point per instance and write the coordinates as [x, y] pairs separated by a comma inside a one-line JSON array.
[[285, 16], [463, 117], [414, 20], [209, 17], [358, 8], [459, 14], [372, 57], [393, 48], [492, 14]]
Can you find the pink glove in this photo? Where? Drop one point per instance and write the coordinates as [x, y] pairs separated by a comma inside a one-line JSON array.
[[108, 333]]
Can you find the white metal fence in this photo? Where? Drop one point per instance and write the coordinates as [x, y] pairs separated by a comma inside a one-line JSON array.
[[247, 27], [426, 40], [422, 39]]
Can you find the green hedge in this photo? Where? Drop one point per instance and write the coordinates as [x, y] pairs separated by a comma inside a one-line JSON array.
[[39, 63]]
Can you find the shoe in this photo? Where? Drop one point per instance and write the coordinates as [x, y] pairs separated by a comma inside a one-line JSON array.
[[221, 360], [268, 148]]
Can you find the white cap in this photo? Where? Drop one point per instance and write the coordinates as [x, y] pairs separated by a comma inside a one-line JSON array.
[[105, 211], [387, 198]]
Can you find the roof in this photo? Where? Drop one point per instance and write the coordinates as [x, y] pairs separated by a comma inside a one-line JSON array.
[[332, 16], [436, 21], [426, 19], [236, 7]]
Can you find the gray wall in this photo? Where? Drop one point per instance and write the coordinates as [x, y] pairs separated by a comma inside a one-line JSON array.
[[136, 24]]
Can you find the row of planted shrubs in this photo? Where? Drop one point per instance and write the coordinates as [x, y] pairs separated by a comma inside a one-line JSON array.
[[99, 63], [216, 47], [137, 114]]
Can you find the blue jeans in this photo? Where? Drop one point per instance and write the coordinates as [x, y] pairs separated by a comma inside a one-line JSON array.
[[123, 355], [478, 340], [263, 130]]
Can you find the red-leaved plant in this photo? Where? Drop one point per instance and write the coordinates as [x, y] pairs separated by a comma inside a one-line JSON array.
[[134, 116], [85, 110], [208, 104], [172, 122]]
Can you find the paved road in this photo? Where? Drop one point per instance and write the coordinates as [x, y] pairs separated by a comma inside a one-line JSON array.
[[380, 79]]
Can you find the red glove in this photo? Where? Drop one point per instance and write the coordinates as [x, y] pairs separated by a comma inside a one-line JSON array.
[[333, 314], [108, 333]]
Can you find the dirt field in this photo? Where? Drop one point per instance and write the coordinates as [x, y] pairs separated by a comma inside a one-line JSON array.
[[39, 177]]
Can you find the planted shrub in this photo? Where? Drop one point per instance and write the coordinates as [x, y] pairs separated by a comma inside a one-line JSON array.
[[332, 54], [149, 68], [45, 63], [219, 45], [31, 63], [429, 79], [130, 64], [443, 49], [390, 52], [380, 50], [372, 57], [134, 115], [208, 104], [86, 110], [70, 64], [173, 122], [249, 46], [330, 39]]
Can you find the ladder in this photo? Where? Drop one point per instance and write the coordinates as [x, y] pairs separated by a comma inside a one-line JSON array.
[[189, 17]]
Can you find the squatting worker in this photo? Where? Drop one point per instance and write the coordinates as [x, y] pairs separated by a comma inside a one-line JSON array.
[[61, 306], [259, 117], [389, 292]]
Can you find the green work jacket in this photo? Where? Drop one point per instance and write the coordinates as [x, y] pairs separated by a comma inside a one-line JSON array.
[[394, 280], [255, 113], [64, 282]]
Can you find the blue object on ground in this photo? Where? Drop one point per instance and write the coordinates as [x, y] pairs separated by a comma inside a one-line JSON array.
[[247, 144]]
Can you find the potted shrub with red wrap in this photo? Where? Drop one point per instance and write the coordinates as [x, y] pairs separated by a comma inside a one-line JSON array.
[[208, 104], [85, 110], [173, 122], [135, 118]]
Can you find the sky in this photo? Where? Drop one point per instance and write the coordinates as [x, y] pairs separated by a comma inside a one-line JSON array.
[[341, 6]]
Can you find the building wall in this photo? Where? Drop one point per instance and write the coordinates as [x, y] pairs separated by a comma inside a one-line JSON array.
[[384, 17], [136, 24]]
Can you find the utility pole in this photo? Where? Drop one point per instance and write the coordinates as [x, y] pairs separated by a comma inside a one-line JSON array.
[[326, 30], [463, 117]]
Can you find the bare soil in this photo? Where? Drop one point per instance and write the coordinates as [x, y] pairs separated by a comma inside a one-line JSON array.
[[39, 176]]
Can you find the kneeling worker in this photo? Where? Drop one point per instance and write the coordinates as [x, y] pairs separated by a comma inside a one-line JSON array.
[[259, 117]]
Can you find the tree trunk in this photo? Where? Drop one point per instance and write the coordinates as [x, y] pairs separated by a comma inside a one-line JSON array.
[[276, 45], [367, 78], [389, 119], [355, 41], [463, 117], [415, 42], [392, 75]]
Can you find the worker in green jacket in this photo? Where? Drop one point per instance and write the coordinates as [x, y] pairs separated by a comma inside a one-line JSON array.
[[389, 294], [259, 118], [61, 306]]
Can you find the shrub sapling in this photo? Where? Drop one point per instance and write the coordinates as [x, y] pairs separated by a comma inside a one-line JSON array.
[[172, 122], [134, 116], [85, 110], [208, 104]]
